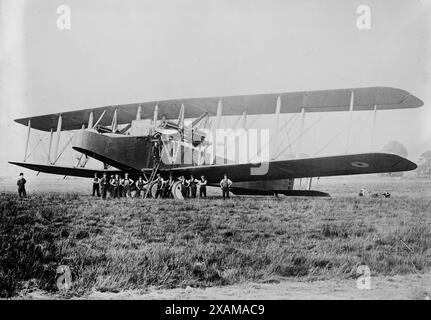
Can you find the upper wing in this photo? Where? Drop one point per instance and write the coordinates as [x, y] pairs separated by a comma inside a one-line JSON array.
[[291, 102], [302, 168]]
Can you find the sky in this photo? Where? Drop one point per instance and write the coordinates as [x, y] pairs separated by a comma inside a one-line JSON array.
[[118, 52]]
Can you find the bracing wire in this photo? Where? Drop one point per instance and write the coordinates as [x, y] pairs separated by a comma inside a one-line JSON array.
[[302, 133]]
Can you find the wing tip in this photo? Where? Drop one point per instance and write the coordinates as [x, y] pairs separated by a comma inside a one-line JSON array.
[[406, 165], [417, 103], [16, 163], [22, 121], [410, 100], [402, 164]]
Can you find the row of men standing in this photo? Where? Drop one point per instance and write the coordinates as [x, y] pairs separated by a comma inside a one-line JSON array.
[[116, 186]]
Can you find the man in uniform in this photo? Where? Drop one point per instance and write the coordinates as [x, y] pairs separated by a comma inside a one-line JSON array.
[[127, 184], [225, 184], [167, 190], [186, 183], [182, 186], [110, 186], [121, 187], [193, 186], [132, 189], [202, 187], [21, 186], [115, 183], [96, 190], [103, 182], [140, 187], [160, 184]]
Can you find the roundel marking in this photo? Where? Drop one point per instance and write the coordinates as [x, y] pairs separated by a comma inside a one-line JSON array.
[[359, 164]]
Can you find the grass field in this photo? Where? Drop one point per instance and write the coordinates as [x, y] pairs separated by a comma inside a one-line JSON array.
[[116, 245]]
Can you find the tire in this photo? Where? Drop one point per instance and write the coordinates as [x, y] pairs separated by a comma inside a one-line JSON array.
[[176, 190], [153, 190]]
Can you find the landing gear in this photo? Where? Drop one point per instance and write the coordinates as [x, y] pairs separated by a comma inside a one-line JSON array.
[[152, 190], [176, 190]]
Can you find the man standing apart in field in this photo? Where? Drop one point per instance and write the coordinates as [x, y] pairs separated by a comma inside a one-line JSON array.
[[21, 186], [103, 182], [225, 184], [96, 185]]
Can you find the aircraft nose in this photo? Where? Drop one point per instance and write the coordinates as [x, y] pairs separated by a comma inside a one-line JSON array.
[[122, 152]]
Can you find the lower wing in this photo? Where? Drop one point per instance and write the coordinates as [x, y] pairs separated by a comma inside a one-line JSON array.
[[297, 168], [63, 170], [351, 164]]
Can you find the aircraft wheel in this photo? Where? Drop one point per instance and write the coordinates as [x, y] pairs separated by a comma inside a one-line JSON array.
[[153, 190], [176, 190]]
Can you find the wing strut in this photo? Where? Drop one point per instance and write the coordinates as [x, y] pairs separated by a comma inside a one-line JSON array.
[[100, 118], [62, 151], [301, 132], [90, 120], [114, 121], [352, 98], [244, 119], [373, 128], [139, 113], [156, 117], [181, 117], [28, 139], [57, 143], [50, 146], [275, 145], [219, 113], [218, 122]]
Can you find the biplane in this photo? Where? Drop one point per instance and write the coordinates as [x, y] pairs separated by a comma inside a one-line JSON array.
[[169, 137]]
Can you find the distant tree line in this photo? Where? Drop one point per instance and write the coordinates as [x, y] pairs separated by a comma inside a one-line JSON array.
[[424, 164]]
